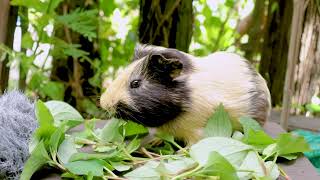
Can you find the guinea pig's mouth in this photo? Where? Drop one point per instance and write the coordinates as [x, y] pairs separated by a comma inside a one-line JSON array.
[[125, 112]]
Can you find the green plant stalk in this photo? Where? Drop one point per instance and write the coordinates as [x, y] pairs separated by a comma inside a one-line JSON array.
[[123, 149], [110, 172], [265, 158], [283, 173], [180, 148], [188, 173]]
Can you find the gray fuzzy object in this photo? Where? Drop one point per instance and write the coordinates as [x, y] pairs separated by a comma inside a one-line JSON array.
[[17, 123]]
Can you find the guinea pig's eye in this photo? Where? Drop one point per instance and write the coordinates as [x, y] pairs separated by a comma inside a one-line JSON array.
[[135, 83]]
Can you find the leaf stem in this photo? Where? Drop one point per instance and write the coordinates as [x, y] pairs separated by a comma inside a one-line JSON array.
[[110, 172], [265, 158], [114, 178], [123, 149], [283, 173], [58, 165], [188, 173], [147, 153], [179, 147]]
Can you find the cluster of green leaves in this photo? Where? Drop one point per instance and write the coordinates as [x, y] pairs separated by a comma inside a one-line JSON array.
[[45, 24], [312, 108], [215, 29], [42, 16], [117, 150]]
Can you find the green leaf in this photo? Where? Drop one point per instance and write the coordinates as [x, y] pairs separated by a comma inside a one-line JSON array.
[[230, 3], [179, 164], [133, 145], [94, 167], [156, 170], [69, 175], [253, 163], [249, 123], [315, 108], [258, 138], [162, 170], [54, 4], [91, 156], [27, 41], [270, 150], [120, 166], [56, 139], [37, 80], [219, 124], [82, 21], [107, 6], [217, 165], [45, 119], [231, 149], [290, 156], [66, 150], [288, 143], [165, 136], [43, 115], [40, 6], [37, 159], [55, 90], [132, 129], [272, 170], [237, 135], [110, 132], [63, 50], [63, 113], [253, 132], [145, 172]]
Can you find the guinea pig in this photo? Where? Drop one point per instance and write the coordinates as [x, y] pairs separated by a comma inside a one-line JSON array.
[[177, 92]]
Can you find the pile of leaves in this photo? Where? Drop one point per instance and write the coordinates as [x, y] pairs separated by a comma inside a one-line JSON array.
[[119, 151]]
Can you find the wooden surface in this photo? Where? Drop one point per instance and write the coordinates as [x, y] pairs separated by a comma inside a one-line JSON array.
[[298, 122], [300, 169]]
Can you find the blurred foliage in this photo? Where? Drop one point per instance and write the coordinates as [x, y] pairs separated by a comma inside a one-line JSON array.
[[215, 27], [111, 25]]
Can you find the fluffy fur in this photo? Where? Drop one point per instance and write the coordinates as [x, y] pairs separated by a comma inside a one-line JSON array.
[[178, 92], [17, 122]]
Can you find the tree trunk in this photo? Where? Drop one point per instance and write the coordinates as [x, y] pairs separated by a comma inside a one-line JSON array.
[[8, 18], [256, 27], [307, 77], [166, 23], [275, 47]]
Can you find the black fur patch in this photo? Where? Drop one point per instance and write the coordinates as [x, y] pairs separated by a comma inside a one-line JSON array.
[[142, 51], [159, 98], [155, 104]]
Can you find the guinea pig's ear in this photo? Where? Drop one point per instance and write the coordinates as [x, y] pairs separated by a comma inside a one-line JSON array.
[[166, 67]]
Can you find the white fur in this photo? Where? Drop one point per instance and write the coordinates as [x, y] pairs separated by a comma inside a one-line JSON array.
[[218, 78]]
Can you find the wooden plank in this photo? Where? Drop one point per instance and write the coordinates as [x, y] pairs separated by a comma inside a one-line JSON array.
[[298, 122], [293, 55]]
